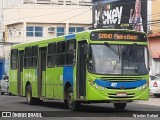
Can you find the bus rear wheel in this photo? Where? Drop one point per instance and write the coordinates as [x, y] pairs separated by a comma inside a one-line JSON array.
[[31, 100], [120, 106], [72, 104]]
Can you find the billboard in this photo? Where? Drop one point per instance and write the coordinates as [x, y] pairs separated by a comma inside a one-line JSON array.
[[120, 14]]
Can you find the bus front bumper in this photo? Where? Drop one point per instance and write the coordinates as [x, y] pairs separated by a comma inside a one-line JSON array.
[[114, 95]]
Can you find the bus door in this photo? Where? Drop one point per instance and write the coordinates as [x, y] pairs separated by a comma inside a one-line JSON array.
[[81, 71], [20, 72], [42, 71]]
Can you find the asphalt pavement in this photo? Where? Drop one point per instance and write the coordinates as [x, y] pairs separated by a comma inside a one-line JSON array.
[[58, 110]]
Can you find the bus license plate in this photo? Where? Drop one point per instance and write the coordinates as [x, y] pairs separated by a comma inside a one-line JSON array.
[[121, 94]]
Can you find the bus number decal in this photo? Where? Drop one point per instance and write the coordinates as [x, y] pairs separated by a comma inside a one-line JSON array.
[[113, 84]]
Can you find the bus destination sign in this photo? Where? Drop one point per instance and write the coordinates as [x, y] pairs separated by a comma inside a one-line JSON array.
[[118, 36]]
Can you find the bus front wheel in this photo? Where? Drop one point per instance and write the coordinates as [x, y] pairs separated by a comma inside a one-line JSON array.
[[72, 104], [120, 106]]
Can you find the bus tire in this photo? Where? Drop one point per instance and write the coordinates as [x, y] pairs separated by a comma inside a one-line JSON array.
[[65, 102], [120, 106], [2, 93], [157, 95], [72, 105], [30, 99]]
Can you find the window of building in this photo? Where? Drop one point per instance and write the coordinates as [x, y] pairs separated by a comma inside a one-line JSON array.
[[70, 52], [26, 1], [85, 3], [75, 29], [14, 55], [60, 53], [60, 31], [60, 2], [33, 31], [68, 2], [51, 60]]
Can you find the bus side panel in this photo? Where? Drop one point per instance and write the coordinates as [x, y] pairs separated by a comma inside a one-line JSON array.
[[30, 75], [44, 83], [50, 80], [25, 79], [33, 80], [24, 86], [59, 87], [13, 82], [68, 75]]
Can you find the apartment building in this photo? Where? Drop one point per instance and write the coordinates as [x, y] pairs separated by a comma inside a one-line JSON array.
[[43, 19]]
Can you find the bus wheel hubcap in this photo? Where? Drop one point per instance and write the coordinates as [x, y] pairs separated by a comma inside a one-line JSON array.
[[70, 100], [28, 96]]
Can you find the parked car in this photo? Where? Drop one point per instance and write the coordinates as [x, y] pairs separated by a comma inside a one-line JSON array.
[[154, 85], [4, 85]]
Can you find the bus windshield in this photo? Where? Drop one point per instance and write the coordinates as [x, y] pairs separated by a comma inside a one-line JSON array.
[[118, 59]]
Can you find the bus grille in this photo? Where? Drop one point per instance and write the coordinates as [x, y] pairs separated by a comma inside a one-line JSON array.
[[121, 79], [120, 88]]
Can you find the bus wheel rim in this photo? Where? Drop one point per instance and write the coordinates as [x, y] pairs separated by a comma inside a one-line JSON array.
[[28, 96], [70, 100]]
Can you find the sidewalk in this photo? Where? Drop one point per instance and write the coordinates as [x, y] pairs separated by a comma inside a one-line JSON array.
[[152, 101]]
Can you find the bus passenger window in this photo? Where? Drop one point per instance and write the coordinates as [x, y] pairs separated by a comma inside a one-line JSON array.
[[51, 59], [28, 57], [70, 53], [14, 59], [34, 56], [60, 53]]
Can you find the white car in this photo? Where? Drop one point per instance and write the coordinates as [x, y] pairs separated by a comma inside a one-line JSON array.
[[4, 85], [154, 85]]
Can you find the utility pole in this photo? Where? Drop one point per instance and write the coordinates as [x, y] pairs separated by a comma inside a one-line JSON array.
[[2, 18]]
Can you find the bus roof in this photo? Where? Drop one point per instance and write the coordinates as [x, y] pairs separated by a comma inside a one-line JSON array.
[[69, 36]]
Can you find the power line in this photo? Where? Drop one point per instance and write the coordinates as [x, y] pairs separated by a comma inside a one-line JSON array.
[[74, 16], [46, 14]]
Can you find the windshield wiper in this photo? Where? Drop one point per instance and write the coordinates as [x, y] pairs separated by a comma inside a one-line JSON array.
[[111, 48], [115, 51]]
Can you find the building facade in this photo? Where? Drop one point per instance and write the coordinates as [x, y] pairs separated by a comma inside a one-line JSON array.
[[154, 37], [44, 19]]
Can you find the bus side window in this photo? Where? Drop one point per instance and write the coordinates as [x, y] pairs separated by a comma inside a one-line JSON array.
[[28, 57], [51, 59], [14, 56], [60, 53], [70, 52], [34, 56]]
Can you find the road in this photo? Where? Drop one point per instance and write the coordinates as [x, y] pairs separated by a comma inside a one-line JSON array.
[[60, 110]]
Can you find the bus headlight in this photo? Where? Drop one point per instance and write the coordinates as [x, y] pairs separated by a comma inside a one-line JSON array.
[[92, 83], [102, 88], [142, 87], [97, 86]]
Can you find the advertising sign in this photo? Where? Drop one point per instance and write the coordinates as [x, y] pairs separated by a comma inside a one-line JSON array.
[[120, 14]]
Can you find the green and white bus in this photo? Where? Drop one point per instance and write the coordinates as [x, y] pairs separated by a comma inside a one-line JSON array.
[[94, 66]]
